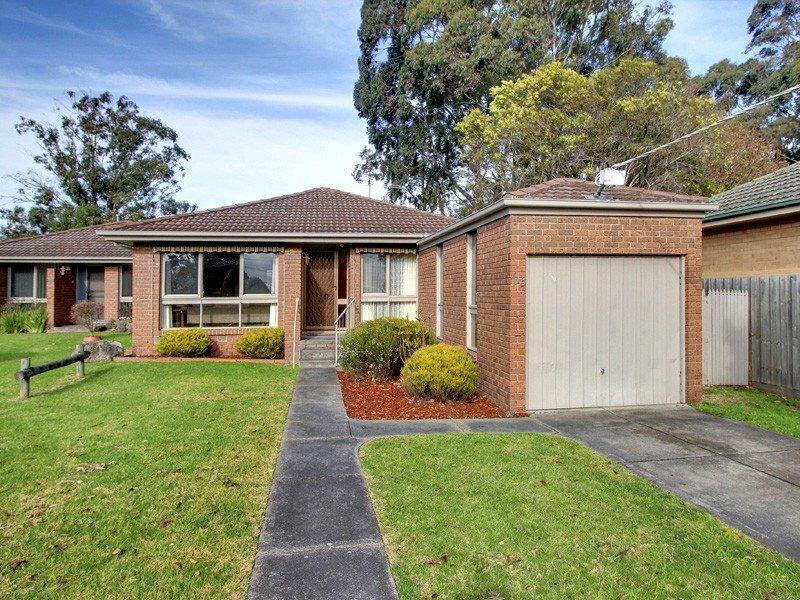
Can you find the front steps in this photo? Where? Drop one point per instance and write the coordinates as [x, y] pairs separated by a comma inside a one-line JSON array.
[[317, 349]]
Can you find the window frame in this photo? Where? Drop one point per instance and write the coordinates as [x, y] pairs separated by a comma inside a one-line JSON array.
[[201, 300], [35, 299], [439, 290], [472, 300], [387, 298], [121, 297]]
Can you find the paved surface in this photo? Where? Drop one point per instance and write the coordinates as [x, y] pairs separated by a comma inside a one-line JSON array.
[[321, 539], [747, 476]]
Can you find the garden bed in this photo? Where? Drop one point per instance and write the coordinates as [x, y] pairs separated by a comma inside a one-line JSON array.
[[374, 400]]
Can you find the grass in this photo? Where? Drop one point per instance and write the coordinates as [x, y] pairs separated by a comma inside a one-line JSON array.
[[143, 480], [522, 516], [753, 406]]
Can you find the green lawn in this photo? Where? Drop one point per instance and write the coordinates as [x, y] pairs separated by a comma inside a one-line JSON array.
[[523, 516], [144, 480], [766, 410]]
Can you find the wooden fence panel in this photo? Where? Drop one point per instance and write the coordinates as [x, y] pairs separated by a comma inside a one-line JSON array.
[[725, 337], [774, 323]]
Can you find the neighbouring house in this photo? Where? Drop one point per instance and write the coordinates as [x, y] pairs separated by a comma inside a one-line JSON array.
[[756, 230], [565, 298], [61, 268]]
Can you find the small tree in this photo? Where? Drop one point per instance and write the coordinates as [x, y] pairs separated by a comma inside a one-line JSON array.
[[86, 313]]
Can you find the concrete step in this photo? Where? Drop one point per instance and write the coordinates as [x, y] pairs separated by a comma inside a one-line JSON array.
[[331, 343], [317, 353], [312, 364]]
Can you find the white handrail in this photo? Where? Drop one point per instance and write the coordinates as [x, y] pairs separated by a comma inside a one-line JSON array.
[[294, 332], [336, 329]]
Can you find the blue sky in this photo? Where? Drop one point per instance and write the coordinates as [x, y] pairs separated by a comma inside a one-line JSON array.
[[259, 91]]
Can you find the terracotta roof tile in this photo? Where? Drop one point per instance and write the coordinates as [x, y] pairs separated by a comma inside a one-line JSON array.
[[319, 210], [564, 189], [81, 242], [782, 185]]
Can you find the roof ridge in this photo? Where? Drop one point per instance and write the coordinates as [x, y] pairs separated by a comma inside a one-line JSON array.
[[385, 203]]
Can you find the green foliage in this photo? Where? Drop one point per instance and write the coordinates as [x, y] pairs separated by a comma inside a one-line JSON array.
[[184, 342], [262, 343], [442, 372], [104, 161], [425, 63], [773, 26], [86, 313], [23, 318], [557, 122], [379, 348]]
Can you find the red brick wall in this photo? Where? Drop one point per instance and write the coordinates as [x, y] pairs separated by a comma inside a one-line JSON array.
[[354, 283], [426, 291], [60, 294], [146, 299], [111, 297], [502, 249]]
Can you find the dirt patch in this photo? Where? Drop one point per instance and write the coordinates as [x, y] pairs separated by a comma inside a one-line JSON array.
[[374, 400]]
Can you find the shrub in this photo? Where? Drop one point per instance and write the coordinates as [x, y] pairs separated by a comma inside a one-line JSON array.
[[86, 313], [379, 348], [184, 342], [441, 372], [23, 318], [261, 343], [35, 319]]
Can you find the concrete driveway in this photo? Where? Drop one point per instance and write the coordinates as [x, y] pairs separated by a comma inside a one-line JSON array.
[[747, 476]]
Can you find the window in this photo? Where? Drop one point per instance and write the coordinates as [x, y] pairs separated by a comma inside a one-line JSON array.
[[90, 284], [439, 290], [126, 283], [388, 285], [472, 302], [27, 282], [219, 289]]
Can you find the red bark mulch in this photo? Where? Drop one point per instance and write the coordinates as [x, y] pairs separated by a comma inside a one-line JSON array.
[[374, 400]]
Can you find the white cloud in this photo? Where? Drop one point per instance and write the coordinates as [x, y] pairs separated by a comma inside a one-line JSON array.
[[168, 21]]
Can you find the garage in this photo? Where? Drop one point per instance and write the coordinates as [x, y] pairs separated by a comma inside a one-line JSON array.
[[604, 331]]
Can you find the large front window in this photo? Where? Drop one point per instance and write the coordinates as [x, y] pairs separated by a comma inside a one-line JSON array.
[[388, 285], [219, 289], [27, 283]]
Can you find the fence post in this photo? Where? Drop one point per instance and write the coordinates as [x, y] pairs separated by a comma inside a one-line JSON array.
[[24, 383], [79, 365]]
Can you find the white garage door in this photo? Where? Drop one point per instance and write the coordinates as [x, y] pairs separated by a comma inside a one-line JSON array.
[[604, 331]]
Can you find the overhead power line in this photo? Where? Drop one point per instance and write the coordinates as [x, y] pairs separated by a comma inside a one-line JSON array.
[[733, 115]]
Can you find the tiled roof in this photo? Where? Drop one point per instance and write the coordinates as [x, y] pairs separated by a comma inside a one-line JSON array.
[[565, 189], [71, 243], [320, 210], [779, 186]]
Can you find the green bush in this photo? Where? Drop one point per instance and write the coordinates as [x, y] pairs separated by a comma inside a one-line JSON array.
[[441, 372], [379, 348], [184, 342], [262, 343], [23, 318]]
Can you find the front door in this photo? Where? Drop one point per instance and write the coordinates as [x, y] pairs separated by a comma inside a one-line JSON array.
[[320, 304]]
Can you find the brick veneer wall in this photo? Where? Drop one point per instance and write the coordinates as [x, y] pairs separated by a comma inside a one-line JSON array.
[[60, 294], [770, 248], [146, 324], [426, 287], [502, 249], [111, 293]]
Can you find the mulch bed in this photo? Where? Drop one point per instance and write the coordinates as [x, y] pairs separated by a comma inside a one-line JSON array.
[[374, 400]]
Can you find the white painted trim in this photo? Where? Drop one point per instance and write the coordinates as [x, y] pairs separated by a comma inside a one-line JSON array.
[[533, 206], [66, 259], [748, 218], [472, 308], [220, 236]]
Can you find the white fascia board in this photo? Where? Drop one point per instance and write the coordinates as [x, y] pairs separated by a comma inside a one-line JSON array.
[[89, 260], [212, 236], [534, 206]]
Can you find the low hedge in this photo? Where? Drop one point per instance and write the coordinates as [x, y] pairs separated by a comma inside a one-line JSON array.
[[379, 348], [262, 343], [442, 372], [184, 342]]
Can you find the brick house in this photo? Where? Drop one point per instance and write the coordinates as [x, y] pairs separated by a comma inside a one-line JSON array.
[[563, 297], [61, 268], [756, 230]]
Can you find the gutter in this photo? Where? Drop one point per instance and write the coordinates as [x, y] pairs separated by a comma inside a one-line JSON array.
[[740, 212], [117, 260], [129, 237], [511, 205]]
